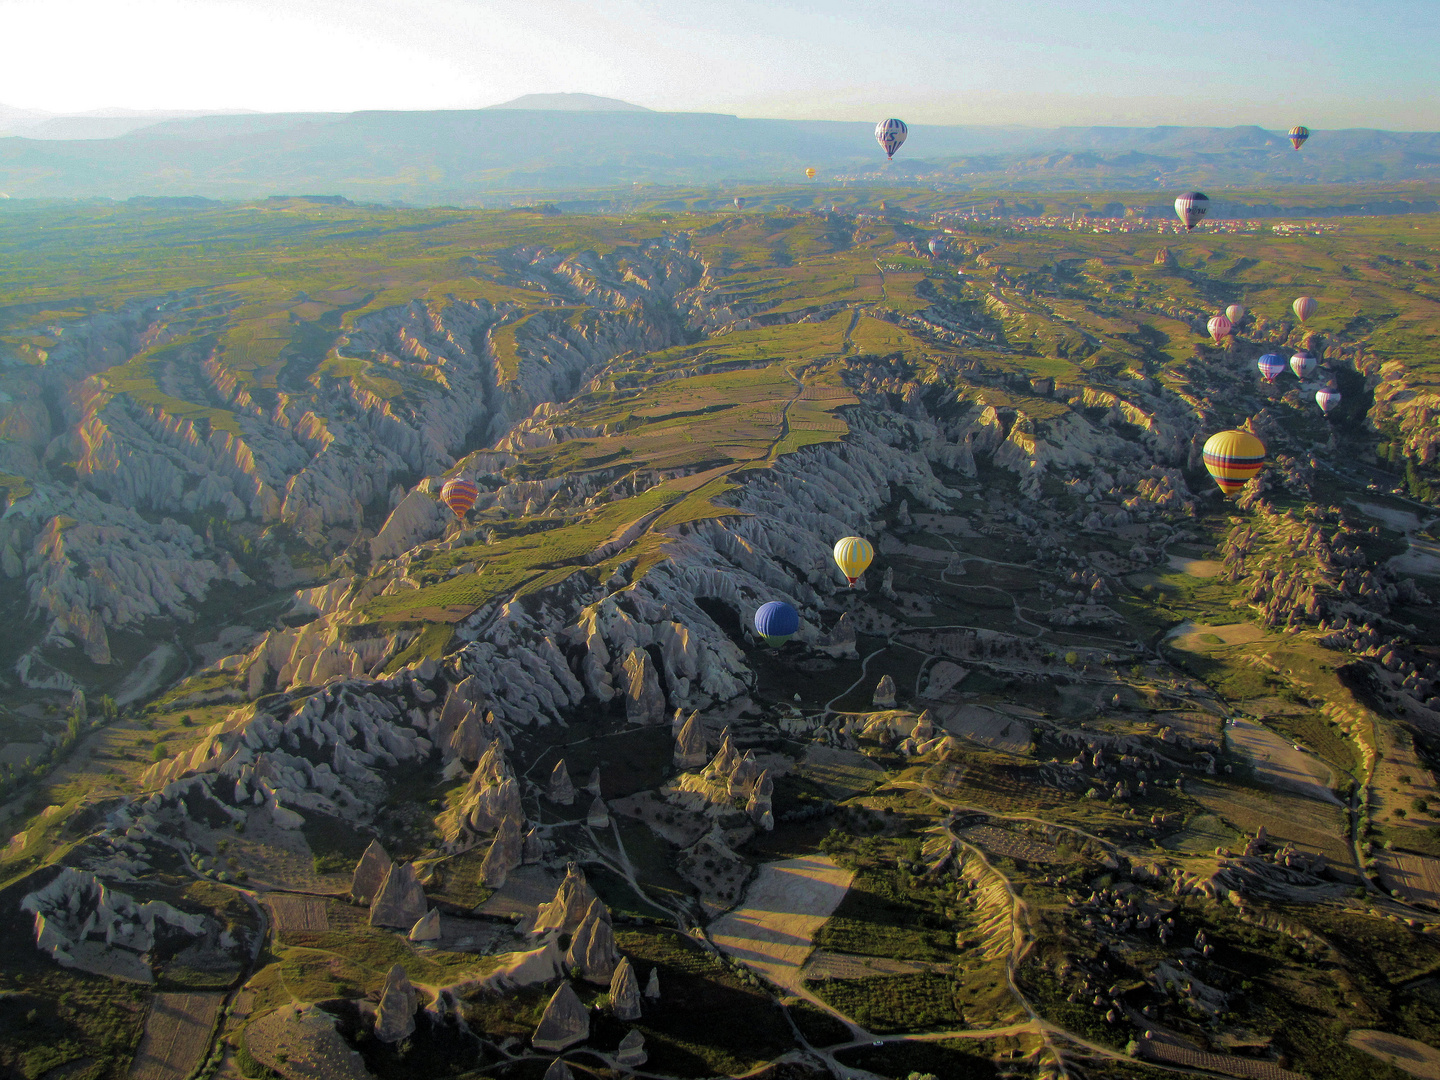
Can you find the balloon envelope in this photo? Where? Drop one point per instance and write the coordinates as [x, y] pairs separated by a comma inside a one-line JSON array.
[[1271, 366], [739, 203], [1327, 399], [1219, 326], [937, 246], [1302, 363], [777, 622], [1304, 307], [1298, 135], [1235, 312], [853, 555], [1233, 457], [890, 134], [1191, 207], [459, 495], [810, 173]]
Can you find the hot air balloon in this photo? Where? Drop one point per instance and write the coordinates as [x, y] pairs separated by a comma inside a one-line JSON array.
[[937, 246], [1233, 457], [1191, 207], [1235, 312], [1304, 307], [777, 622], [810, 173], [1219, 326], [1302, 363], [853, 555], [739, 203], [890, 134], [1327, 399], [459, 495], [1271, 366], [1298, 134]]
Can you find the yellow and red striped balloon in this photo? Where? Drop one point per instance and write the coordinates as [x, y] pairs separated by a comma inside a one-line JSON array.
[[459, 494], [1232, 458]]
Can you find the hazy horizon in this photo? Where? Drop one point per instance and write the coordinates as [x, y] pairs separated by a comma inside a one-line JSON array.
[[1120, 62]]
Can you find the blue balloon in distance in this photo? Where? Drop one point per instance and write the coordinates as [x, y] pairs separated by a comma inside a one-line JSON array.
[[777, 622]]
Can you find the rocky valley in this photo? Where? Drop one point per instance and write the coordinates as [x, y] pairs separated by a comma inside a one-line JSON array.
[[1093, 772]]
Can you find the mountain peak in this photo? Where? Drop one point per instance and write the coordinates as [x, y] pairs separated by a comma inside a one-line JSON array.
[[570, 103]]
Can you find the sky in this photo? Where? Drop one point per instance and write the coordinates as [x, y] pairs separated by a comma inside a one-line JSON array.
[[1035, 62]]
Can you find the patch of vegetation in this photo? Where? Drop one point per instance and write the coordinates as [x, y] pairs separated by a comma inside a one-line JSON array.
[[1323, 736], [817, 1026], [953, 1059], [337, 845], [889, 912], [886, 1004], [683, 1037]]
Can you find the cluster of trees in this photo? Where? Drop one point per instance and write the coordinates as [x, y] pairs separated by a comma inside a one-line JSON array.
[[78, 722], [1396, 458]]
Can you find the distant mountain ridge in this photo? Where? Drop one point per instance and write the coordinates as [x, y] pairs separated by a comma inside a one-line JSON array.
[[447, 156], [569, 103], [92, 124]]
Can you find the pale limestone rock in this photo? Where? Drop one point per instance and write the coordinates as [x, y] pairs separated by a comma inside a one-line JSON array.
[[428, 928], [592, 947], [466, 698], [744, 776], [395, 1015], [924, 729], [592, 785], [400, 903], [558, 1070], [534, 848], [369, 873], [564, 1023], [885, 693], [760, 804], [841, 640], [625, 991], [690, 748], [599, 814], [492, 795], [644, 701], [472, 738], [652, 986], [526, 969], [507, 851], [562, 788], [566, 911], [725, 759], [631, 1053]]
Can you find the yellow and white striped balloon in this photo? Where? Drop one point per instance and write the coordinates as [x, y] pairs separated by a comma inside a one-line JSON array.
[[853, 555]]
